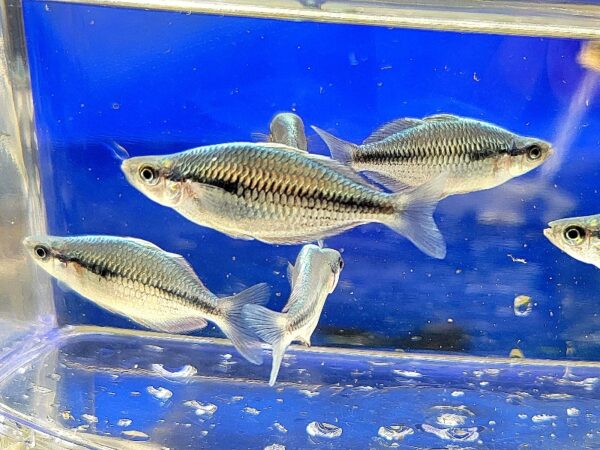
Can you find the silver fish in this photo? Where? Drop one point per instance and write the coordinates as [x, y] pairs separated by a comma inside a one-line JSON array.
[[314, 276], [281, 195], [138, 280], [578, 237], [476, 155], [288, 129]]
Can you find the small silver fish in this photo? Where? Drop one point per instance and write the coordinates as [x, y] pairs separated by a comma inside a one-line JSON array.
[[476, 155], [314, 276], [281, 195], [288, 129], [578, 237], [138, 280]]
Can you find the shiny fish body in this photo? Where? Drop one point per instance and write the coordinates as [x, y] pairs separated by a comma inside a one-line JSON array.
[[288, 129], [476, 155], [145, 284], [579, 237], [314, 276], [280, 195]]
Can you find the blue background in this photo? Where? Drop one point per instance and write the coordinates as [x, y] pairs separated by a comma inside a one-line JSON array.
[[159, 82]]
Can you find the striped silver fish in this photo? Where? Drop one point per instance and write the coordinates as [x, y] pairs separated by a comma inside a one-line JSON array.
[[579, 237], [281, 195], [476, 155], [288, 129], [138, 280], [314, 276]]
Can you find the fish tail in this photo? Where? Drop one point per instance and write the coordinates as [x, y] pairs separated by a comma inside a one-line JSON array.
[[270, 327], [234, 326], [414, 217], [339, 149]]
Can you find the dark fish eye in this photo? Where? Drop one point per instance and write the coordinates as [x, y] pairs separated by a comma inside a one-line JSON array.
[[341, 263], [148, 174], [41, 251], [574, 234], [534, 152]]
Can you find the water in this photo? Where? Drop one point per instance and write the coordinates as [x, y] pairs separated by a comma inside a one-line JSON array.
[[399, 350]]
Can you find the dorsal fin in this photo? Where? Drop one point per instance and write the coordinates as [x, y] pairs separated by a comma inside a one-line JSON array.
[[393, 127], [441, 118]]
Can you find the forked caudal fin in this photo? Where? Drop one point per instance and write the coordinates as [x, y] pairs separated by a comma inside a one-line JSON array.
[[414, 218], [270, 327], [340, 150], [233, 324]]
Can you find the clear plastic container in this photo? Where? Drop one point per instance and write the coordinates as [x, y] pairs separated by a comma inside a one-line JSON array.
[[410, 351]]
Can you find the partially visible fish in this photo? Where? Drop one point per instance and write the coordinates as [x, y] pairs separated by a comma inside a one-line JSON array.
[[476, 155], [589, 55], [138, 280], [286, 129], [314, 276], [578, 237], [281, 195]]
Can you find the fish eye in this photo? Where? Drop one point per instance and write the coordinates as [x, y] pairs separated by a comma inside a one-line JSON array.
[[148, 174], [41, 251], [574, 234], [534, 152], [341, 263]]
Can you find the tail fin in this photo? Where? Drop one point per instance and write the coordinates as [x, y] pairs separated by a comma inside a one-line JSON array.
[[339, 149], [270, 327], [414, 217], [233, 324]]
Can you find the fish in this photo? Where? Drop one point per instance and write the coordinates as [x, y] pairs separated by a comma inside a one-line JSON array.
[[589, 55], [281, 195], [578, 237], [312, 278], [286, 129], [476, 155], [138, 280]]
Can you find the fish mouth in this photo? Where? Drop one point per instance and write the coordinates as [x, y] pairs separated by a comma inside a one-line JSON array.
[[548, 233], [29, 242]]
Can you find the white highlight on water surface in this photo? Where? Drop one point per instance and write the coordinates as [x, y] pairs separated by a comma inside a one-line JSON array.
[[540, 418], [323, 430], [453, 434], [251, 410], [450, 420], [124, 422], [572, 412], [89, 418], [407, 373], [160, 393], [395, 432], [185, 372]]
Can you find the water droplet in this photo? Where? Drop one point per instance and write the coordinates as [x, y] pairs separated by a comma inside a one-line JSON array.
[[395, 432], [275, 447], [450, 420], [279, 427], [540, 418], [89, 418], [124, 422], [453, 434], [161, 393], [572, 412], [457, 394], [309, 394], [323, 430], [185, 372], [522, 305], [407, 373], [135, 435], [250, 410], [115, 106]]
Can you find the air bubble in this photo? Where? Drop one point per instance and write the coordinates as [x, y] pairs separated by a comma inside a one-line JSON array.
[[160, 393], [124, 422], [450, 420], [89, 418], [275, 447], [395, 432], [453, 434], [252, 411], [323, 430], [540, 418], [522, 305], [572, 412]]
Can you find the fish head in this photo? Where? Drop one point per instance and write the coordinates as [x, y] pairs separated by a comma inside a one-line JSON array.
[[327, 259], [151, 176], [50, 253], [579, 237], [527, 154]]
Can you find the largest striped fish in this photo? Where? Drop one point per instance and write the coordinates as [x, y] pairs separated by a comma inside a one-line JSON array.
[[281, 195], [476, 155]]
